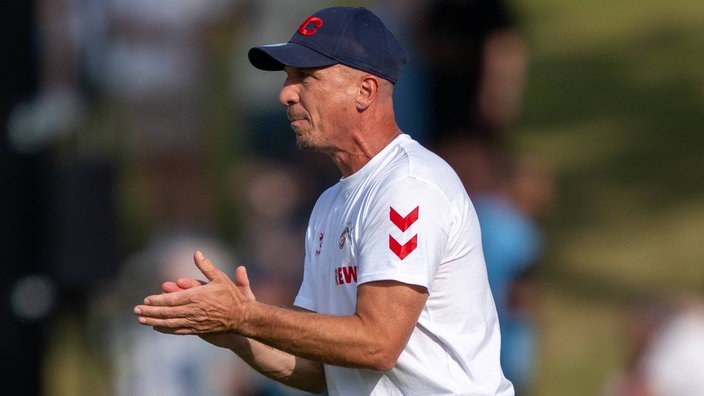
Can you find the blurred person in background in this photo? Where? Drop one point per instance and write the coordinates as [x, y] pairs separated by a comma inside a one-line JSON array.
[[674, 359], [159, 60], [665, 349], [274, 185], [273, 196], [513, 244], [411, 102], [266, 131], [466, 77], [158, 57], [475, 59], [140, 362], [120, 99]]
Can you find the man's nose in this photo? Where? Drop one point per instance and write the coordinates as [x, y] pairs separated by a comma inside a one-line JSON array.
[[288, 94]]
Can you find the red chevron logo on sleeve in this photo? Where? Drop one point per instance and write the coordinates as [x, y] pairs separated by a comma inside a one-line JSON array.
[[403, 223], [403, 250]]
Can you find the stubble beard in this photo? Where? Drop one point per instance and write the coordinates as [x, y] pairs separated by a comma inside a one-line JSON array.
[[303, 146], [305, 140], [303, 136]]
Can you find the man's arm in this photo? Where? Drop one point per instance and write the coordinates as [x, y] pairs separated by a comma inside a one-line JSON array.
[[277, 365], [373, 337]]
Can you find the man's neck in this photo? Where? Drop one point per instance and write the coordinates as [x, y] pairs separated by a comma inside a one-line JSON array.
[[365, 145]]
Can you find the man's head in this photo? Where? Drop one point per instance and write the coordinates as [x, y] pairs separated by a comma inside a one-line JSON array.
[[324, 104], [337, 35]]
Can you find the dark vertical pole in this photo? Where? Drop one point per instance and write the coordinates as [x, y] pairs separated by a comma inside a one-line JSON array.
[[20, 214]]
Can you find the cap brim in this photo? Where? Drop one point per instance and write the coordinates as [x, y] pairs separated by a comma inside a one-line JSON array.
[[276, 56]]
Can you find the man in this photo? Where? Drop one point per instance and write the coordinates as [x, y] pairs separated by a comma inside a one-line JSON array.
[[395, 298]]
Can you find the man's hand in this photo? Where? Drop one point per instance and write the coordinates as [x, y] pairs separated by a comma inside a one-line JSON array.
[[241, 281], [189, 306]]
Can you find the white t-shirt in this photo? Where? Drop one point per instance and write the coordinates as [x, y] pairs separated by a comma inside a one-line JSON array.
[[674, 362], [405, 216]]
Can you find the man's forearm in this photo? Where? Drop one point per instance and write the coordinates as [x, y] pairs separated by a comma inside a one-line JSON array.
[[273, 363], [313, 336], [372, 338]]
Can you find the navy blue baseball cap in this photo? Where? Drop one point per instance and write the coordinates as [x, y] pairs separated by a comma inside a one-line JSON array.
[[352, 36]]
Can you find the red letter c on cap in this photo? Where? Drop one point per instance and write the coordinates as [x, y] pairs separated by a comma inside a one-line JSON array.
[[309, 32]]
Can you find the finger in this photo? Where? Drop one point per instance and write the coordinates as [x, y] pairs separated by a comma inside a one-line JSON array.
[[181, 284], [186, 283], [242, 282], [166, 320], [168, 330], [165, 330], [207, 267], [170, 287], [168, 326], [172, 298], [172, 317]]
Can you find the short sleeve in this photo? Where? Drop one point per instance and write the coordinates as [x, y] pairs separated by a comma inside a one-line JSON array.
[[404, 233]]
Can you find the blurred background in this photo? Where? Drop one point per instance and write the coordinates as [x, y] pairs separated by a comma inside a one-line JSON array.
[[135, 131]]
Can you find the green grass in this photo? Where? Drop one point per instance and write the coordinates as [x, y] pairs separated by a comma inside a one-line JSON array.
[[615, 103]]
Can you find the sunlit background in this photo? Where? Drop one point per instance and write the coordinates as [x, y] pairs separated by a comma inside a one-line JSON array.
[[135, 131]]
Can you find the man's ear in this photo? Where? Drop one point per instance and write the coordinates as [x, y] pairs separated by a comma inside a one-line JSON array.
[[368, 91]]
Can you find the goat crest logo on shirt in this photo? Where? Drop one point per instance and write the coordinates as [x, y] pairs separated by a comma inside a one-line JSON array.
[[320, 244], [344, 237]]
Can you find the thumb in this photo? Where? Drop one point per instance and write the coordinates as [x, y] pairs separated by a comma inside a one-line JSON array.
[[242, 282], [207, 267]]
